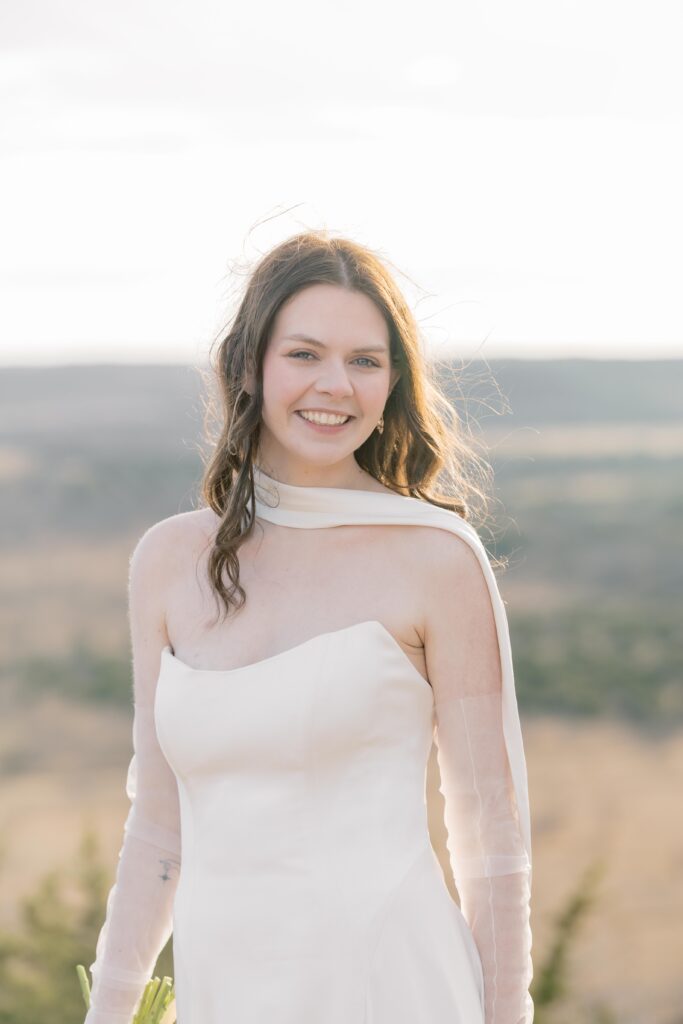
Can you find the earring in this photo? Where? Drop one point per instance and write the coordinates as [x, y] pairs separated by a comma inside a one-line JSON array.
[[380, 424]]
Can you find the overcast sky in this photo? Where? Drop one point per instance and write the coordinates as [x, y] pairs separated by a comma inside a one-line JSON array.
[[518, 163]]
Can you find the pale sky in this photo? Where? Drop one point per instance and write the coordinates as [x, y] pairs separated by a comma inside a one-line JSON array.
[[518, 163]]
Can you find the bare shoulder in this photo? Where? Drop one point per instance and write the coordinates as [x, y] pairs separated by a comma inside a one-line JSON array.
[[153, 566], [452, 566], [166, 543], [438, 550], [447, 549], [461, 641], [449, 574]]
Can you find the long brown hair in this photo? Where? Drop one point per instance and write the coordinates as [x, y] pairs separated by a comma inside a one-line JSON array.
[[423, 438]]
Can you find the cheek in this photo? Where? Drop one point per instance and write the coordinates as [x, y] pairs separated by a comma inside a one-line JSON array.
[[373, 391], [280, 386]]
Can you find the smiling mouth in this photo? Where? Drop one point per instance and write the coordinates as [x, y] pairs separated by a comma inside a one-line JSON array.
[[315, 423], [348, 415]]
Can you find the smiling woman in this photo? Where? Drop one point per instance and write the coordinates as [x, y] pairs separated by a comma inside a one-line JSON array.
[[301, 382], [278, 822], [323, 331]]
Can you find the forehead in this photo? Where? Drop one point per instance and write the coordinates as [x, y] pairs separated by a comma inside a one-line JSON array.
[[331, 315]]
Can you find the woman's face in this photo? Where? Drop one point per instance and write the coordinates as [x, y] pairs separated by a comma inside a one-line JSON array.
[[339, 362]]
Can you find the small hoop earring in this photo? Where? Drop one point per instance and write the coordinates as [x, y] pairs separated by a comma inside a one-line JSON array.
[[380, 424]]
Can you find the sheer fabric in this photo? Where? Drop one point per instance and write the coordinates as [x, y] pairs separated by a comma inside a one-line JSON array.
[[138, 920], [490, 864]]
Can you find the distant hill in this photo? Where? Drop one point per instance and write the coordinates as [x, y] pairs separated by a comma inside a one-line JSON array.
[[588, 460]]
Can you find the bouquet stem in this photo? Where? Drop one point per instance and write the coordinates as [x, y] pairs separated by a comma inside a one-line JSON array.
[[157, 1004]]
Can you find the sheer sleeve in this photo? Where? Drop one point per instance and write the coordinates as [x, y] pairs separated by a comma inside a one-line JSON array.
[[478, 736], [138, 920], [489, 862]]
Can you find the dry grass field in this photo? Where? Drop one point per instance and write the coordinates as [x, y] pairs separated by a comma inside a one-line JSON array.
[[589, 499]]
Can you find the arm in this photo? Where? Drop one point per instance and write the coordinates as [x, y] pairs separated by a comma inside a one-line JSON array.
[[490, 862], [138, 919]]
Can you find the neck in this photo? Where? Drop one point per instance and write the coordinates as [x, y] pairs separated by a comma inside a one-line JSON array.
[[312, 476]]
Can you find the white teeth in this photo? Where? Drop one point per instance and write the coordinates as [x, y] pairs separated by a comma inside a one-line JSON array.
[[323, 417]]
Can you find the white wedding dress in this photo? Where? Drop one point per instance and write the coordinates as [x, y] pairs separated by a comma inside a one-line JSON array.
[[287, 800]]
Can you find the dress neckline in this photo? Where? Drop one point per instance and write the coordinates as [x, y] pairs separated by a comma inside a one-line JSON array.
[[302, 507]]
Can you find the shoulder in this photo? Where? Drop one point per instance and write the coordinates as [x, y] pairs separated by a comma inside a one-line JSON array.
[[453, 549], [164, 544], [461, 634], [450, 563], [152, 569], [458, 562]]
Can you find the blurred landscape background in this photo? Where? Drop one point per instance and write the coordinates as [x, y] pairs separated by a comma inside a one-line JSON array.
[[587, 509]]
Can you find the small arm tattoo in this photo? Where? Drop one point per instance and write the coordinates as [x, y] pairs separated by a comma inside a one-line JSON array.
[[170, 864]]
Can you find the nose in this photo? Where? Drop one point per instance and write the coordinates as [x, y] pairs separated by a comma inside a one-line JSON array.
[[334, 380]]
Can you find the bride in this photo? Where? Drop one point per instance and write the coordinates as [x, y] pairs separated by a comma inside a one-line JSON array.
[[278, 820]]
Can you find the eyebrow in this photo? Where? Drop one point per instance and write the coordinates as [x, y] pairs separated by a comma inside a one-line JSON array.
[[314, 341]]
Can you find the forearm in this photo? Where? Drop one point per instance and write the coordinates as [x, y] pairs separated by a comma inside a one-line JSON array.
[[497, 909], [137, 925], [491, 866]]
